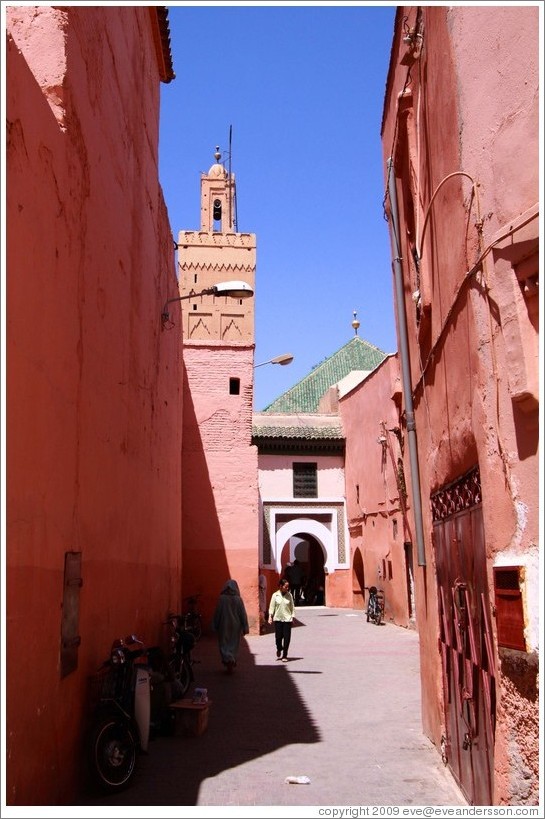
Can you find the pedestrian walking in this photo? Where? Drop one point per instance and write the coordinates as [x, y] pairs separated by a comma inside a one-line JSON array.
[[230, 622], [281, 611]]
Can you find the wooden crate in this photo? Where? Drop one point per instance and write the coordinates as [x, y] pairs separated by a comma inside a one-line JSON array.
[[191, 717]]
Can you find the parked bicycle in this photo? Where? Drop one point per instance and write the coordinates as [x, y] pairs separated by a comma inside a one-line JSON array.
[[192, 616], [179, 659], [375, 606]]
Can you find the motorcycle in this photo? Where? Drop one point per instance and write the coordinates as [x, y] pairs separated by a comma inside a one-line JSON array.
[[375, 605], [131, 698], [179, 660]]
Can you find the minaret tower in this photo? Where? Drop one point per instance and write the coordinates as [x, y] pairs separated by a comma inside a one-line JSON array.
[[214, 254], [220, 494]]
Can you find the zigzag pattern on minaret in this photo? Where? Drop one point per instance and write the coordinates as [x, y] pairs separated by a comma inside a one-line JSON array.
[[231, 330], [202, 237], [247, 268], [200, 327]]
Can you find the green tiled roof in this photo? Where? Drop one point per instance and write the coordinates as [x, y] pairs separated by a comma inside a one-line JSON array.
[[308, 433], [305, 433], [306, 394]]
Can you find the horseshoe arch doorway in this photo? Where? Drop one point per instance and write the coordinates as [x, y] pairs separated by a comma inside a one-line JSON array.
[[308, 551]]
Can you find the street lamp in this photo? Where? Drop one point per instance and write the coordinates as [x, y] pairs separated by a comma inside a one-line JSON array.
[[284, 359], [234, 289]]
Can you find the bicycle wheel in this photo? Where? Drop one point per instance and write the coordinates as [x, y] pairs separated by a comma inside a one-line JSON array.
[[194, 625], [181, 672], [185, 677]]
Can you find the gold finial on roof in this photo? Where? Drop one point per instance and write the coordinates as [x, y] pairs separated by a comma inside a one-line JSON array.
[[217, 155], [355, 323]]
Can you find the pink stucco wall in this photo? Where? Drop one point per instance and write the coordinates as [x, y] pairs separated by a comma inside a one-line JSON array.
[[377, 522], [505, 114], [469, 121], [276, 475], [220, 497], [93, 386]]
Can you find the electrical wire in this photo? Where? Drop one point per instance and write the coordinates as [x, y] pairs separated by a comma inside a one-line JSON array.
[[476, 266], [428, 209]]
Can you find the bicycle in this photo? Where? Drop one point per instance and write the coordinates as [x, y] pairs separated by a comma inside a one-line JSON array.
[[180, 662], [193, 617], [375, 605]]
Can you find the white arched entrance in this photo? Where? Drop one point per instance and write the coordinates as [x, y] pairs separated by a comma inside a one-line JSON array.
[[304, 526], [323, 523]]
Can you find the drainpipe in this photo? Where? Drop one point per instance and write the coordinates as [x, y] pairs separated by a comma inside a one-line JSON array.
[[405, 365]]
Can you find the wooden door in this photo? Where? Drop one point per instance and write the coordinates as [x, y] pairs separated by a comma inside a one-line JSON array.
[[465, 637]]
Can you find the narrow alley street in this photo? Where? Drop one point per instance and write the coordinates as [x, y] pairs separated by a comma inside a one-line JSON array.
[[344, 712]]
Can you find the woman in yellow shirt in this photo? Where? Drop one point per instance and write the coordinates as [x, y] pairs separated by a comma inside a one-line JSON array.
[[281, 611]]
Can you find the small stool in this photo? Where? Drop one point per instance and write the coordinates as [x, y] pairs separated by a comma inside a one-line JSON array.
[[191, 717]]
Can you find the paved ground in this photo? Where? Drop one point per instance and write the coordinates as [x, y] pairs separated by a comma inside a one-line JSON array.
[[344, 711]]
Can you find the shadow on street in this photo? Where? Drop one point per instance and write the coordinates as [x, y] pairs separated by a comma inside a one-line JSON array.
[[253, 712]]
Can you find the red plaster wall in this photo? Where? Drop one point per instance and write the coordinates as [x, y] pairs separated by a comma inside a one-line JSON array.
[[337, 589], [220, 489], [93, 386], [474, 109], [368, 413]]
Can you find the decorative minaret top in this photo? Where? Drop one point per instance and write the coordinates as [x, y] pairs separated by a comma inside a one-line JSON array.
[[355, 323], [214, 254], [218, 199], [217, 169]]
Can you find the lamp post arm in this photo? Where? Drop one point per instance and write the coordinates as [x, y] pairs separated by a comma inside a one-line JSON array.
[[232, 289], [284, 359], [206, 292]]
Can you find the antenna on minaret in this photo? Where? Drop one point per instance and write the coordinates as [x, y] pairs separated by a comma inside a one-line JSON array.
[[355, 323], [232, 187], [230, 179]]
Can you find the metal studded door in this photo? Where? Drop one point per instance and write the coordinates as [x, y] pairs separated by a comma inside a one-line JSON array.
[[465, 638]]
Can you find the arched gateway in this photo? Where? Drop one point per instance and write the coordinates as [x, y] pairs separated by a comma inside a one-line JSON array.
[[295, 532], [315, 535]]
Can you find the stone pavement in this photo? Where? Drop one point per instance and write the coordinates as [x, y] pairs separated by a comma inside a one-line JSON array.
[[344, 711]]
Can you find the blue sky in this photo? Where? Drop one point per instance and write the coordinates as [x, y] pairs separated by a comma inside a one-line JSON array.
[[303, 89]]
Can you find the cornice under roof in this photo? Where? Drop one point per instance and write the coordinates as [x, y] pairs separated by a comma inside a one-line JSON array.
[[298, 446], [298, 435], [161, 37]]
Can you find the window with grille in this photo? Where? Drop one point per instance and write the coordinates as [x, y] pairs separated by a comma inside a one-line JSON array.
[[305, 480]]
